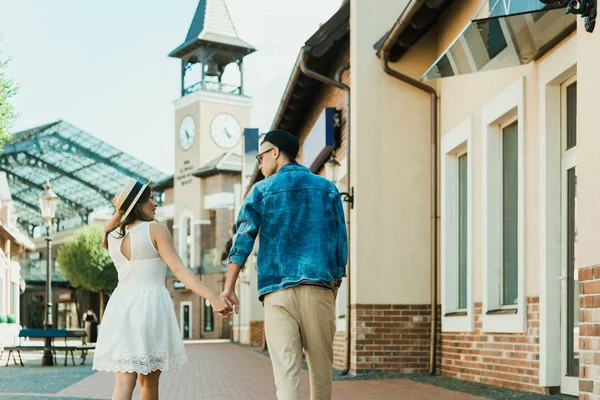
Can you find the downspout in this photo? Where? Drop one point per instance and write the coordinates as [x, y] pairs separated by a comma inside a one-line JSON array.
[[403, 22], [338, 84]]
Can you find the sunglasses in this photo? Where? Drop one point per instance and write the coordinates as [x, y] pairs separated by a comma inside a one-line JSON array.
[[259, 157]]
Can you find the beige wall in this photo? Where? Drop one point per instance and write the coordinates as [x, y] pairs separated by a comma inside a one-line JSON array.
[[390, 168], [588, 147], [463, 97], [187, 187]]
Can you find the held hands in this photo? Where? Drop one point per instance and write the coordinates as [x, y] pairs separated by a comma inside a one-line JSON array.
[[220, 306], [232, 300]]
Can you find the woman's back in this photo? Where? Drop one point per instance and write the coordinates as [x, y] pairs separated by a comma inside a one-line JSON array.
[[136, 258]]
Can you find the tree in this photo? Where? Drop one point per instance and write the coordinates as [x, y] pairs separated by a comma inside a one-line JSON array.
[[85, 263], [7, 114]]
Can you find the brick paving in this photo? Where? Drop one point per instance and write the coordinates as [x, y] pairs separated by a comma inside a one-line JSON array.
[[226, 371]]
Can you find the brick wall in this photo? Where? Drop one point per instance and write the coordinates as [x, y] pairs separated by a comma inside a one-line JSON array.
[[257, 332], [510, 360], [390, 338], [339, 350], [589, 333]]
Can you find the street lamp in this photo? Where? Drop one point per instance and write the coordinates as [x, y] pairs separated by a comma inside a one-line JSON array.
[[332, 168], [48, 201]]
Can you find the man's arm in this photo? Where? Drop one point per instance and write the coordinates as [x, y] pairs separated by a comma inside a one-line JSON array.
[[229, 293], [342, 238], [247, 227]]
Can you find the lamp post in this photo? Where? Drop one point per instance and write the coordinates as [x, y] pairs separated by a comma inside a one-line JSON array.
[[48, 201], [332, 168]]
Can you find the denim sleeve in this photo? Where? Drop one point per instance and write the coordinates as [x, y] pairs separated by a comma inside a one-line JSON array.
[[342, 236], [247, 227]]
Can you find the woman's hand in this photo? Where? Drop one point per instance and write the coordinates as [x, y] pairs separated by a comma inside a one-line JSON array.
[[220, 306], [119, 211]]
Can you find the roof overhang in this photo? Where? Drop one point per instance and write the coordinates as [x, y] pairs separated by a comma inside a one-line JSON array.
[[324, 47], [235, 46], [415, 27]]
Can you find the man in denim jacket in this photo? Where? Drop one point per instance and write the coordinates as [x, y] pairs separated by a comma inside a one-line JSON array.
[[301, 261]]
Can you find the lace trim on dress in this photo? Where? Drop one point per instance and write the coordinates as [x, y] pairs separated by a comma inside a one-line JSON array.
[[140, 363]]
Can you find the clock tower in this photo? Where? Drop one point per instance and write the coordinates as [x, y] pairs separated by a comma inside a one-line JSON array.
[[210, 117]]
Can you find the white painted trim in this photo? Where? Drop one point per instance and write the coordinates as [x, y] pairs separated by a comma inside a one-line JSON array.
[[454, 144], [202, 222], [182, 243], [219, 200], [508, 106], [340, 324], [569, 384], [213, 97], [553, 71], [3, 293], [184, 303]]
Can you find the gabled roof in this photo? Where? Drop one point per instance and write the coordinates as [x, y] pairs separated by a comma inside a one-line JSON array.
[[212, 24], [227, 162], [84, 171]]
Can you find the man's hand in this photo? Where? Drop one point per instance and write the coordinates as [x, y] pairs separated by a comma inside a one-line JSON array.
[[232, 300], [220, 306], [335, 292]]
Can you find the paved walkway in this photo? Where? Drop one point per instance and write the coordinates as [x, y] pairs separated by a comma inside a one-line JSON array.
[[226, 371]]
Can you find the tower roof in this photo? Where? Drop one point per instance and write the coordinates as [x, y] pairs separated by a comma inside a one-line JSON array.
[[212, 26]]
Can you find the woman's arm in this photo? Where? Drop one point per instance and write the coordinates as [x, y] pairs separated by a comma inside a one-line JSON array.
[[114, 221], [161, 237]]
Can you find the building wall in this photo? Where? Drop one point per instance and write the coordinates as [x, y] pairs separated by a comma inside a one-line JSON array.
[[390, 169], [588, 247]]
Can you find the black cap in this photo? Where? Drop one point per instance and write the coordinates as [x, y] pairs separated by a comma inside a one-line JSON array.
[[285, 141]]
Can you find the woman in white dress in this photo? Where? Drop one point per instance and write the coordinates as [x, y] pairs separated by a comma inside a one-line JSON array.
[[139, 333]]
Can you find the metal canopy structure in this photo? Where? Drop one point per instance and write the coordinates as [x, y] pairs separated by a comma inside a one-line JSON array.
[[84, 171]]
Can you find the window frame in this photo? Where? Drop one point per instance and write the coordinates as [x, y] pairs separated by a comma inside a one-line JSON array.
[[456, 143], [500, 112]]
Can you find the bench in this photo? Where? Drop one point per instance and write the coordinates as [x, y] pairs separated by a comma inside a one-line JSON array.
[[67, 349]]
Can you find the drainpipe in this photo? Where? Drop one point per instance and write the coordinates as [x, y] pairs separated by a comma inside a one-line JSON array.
[[403, 22], [338, 84]]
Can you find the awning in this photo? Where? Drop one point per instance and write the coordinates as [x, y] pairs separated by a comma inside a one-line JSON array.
[[503, 35]]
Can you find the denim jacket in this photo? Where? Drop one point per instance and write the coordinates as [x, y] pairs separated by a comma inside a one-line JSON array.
[[302, 230]]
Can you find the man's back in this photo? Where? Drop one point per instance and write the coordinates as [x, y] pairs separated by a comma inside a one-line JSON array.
[[302, 229]]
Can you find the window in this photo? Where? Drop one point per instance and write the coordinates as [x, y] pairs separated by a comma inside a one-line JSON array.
[[2, 295], [504, 300], [456, 221], [15, 299], [462, 231], [510, 215], [208, 316]]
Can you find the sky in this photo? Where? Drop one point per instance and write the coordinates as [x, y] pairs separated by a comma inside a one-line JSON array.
[[104, 66]]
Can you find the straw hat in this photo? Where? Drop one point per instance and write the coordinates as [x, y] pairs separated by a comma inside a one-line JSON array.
[[129, 195]]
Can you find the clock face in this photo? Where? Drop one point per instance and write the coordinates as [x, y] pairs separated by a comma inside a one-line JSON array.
[[225, 130], [187, 132]]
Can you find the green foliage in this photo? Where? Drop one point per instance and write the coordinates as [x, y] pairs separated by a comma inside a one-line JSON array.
[[7, 113], [11, 319], [85, 263]]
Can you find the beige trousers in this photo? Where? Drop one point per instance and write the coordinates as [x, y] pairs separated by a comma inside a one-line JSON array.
[[301, 317]]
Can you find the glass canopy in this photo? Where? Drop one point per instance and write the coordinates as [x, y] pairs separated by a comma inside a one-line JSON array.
[[503, 34], [84, 171]]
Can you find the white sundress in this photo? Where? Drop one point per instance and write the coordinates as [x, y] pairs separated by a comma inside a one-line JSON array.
[[139, 331]]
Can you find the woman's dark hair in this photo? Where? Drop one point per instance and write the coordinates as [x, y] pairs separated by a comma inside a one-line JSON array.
[[135, 215]]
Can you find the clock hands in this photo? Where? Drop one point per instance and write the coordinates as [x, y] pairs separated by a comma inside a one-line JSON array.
[[227, 133]]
